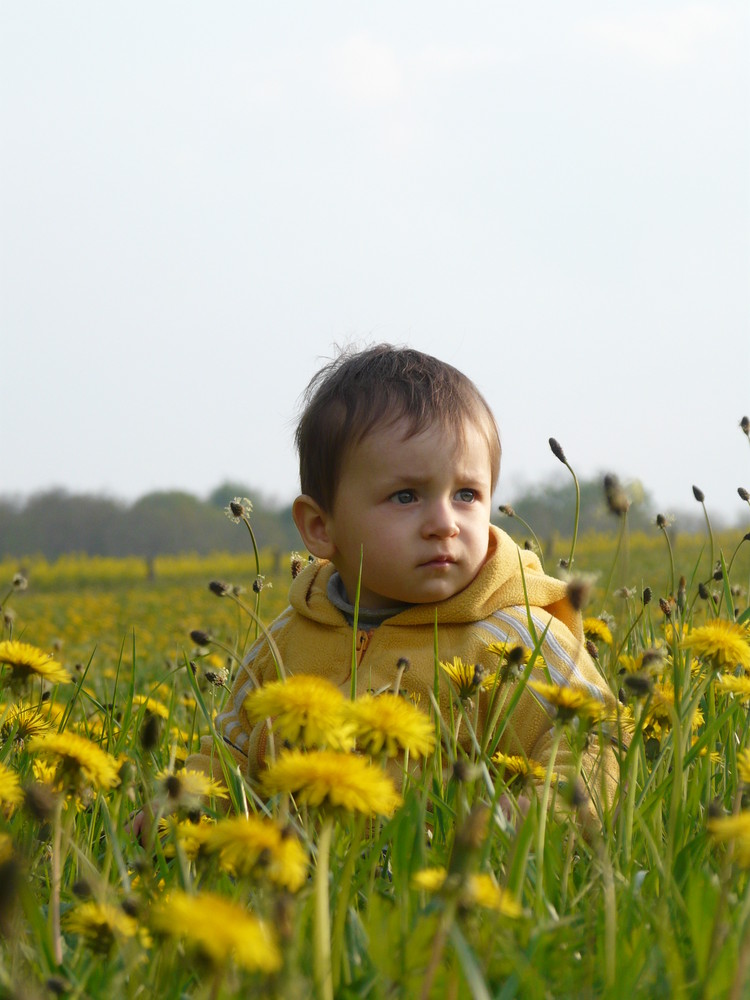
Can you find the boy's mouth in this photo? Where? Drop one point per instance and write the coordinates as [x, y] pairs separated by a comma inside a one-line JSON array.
[[439, 560]]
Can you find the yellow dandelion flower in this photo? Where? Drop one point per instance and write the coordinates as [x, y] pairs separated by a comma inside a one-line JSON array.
[[739, 687], [257, 846], [151, 705], [6, 848], [597, 630], [661, 708], [185, 788], [713, 755], [25, 661], [44, 771], [512, 659], [190, 836], [478, 890], [514, 766], [648, 663], [101, 925], [737, 829], [304, 709], [671, 633], [466, 677], [725, 644], [743, 765], [11, 792], [389, 723], [79, 761], [218, 929], [568, 703], [22, 722], [335, 780]]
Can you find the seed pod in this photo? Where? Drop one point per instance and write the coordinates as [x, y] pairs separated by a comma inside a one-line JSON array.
[[507, 510], [699, 495], [646, 596], [199, 637], [744, 495], [219, 588], [745, 425]]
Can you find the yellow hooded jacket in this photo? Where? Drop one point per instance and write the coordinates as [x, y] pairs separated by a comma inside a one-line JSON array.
[[312, 636]]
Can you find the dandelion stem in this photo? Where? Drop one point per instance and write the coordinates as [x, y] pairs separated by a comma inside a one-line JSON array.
[[54, 903], [542, 828], [323, 973], [342, 906]]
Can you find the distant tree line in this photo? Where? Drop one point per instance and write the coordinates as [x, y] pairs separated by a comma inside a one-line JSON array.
[[56, 522]]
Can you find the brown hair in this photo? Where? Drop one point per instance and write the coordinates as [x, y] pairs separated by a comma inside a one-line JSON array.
[[356, 391]]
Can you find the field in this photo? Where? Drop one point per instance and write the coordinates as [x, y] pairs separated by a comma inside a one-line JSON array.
[[440, 887]]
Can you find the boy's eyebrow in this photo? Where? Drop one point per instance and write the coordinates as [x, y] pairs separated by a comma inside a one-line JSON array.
[[412, 479]]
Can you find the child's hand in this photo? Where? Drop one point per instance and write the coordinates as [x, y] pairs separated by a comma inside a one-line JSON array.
[[139, 824], [512, 807]]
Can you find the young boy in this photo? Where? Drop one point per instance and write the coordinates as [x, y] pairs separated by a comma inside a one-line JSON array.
[[399, 457]]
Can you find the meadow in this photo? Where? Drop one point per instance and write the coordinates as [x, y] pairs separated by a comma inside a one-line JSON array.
[[435, 885]]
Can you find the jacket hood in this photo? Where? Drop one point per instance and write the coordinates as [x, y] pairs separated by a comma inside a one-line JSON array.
[[510, 576]]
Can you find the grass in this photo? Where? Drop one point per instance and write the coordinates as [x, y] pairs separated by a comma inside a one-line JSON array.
[[650, 900]]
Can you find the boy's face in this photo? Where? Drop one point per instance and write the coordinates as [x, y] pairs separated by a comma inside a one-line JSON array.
[[419, 509]]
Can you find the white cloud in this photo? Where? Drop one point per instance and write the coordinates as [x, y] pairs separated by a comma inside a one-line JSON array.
[[661, 38], [367, 72]]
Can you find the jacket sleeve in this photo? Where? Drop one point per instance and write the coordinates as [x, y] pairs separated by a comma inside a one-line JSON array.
[[244, 742], [530, 730]]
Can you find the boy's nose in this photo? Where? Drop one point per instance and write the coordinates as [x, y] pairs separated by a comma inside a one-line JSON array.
[[440, 520]]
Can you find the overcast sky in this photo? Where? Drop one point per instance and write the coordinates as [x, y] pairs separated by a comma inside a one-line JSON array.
[[199, 201]]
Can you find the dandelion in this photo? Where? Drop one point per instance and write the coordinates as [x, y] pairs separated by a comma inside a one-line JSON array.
[[743, 765], [615, 496], [11, 792], [186, 788], [27, 661], [191, 837], [467, 677], [219, 930], [512, 658], [78, 761], [649, 663], [151, 705], [253, 845], [22, 722], [477, 890], [733, 828], [387, 723], [569, 703], [334, 780], [726, 644], [305, 709], [515, 767], [738, 687], [238, 509], [597, 630], [101, 925]]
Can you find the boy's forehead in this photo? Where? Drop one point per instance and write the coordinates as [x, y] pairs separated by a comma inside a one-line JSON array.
[[391, 442]]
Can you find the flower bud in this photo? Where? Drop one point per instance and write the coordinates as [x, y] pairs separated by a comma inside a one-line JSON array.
[[699, 495], [646, 596], [199, 637], [745, 425], [219, 588], [557, 451], [507, 510], [744, 495]]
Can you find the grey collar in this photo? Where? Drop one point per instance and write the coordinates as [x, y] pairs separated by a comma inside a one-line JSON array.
[[337, 596]]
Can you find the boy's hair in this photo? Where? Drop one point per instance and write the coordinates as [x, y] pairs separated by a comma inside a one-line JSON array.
[[359, 390]]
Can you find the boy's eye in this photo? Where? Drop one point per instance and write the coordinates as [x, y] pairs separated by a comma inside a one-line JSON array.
[[466, 495], [403, 497]]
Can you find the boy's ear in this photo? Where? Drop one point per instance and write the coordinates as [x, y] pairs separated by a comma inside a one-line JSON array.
[[313, 525]]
